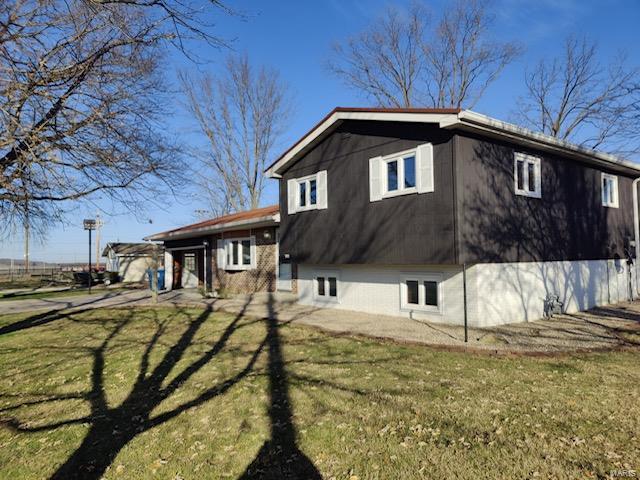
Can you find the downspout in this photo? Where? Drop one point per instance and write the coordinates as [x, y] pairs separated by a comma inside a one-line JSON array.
[[636, 226]]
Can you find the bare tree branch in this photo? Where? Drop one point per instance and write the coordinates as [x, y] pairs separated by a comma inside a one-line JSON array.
[[82, 99], [242, 113], [574, 97], [399, 62]]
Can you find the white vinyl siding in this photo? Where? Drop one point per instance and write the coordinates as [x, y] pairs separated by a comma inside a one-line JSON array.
[[609, 190], [307, 193], [527, 175], [401, 173]]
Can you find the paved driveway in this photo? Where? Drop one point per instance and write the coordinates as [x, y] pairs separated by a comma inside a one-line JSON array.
[[602, 328]]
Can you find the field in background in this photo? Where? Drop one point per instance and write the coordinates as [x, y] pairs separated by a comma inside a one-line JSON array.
[[166, 393]]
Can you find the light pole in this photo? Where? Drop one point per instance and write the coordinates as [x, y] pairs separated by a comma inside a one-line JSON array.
[[89, 224]]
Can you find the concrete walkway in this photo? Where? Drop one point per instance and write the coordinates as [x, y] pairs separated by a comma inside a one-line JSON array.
[[602, 328]]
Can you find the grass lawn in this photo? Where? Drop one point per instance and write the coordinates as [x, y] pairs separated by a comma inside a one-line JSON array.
[[164, 393], [32, 295]]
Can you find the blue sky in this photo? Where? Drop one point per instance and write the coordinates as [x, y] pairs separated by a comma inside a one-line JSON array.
[[296, 37]]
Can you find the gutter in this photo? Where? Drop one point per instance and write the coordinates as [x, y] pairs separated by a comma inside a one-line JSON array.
[[196, 232], [476, 121]]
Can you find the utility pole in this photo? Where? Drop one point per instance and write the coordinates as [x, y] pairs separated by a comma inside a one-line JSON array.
[[99, 224]]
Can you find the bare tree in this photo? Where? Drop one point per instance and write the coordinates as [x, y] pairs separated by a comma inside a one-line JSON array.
[[398, 62], [576, 98], [386, 61], [81, 102], [461, 61], [242, 113]]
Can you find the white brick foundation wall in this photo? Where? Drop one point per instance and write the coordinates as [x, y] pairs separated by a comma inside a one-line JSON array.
[[496, 293]]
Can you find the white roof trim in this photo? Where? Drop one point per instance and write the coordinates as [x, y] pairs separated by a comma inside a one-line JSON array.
[[340, 116], [466, 120], [263, 221]]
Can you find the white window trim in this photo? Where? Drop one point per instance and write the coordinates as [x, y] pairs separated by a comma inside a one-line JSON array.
[[421, 278], [614, 179], [399, 157], [519, 156], [252, 253], [326, 274], [306, 180]]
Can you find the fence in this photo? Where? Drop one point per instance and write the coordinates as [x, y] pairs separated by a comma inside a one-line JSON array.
[[38, 274]]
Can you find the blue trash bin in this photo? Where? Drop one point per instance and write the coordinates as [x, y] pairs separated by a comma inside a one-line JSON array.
[[160, 278]]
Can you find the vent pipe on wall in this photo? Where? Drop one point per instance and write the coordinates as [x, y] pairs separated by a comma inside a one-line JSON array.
[[636, 226]]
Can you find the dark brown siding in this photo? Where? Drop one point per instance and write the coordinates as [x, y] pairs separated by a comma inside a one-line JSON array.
[[567, 223], [412, 229]]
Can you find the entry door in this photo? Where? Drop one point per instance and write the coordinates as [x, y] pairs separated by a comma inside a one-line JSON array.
[[190, 271], [284, 277]]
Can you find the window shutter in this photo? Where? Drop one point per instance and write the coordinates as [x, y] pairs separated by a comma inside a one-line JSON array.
[[375, 179], [221, 256], [424, 160], [253, 253], [291, 197], [322, 190]]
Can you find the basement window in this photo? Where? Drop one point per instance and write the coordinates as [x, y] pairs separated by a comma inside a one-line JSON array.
[[527, 175], [326, 286], [609, 190], [421, 292]]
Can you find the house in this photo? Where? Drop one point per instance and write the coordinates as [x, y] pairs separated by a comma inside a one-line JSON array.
[[234, 253], [131, 260], [445, 215]]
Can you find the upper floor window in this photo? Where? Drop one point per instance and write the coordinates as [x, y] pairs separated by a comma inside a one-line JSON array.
[[307, 193], [401, 173], [609, 190], [527, 175], [237, 253]]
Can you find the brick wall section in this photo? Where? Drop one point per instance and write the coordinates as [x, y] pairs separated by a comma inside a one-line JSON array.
[[260, 279]]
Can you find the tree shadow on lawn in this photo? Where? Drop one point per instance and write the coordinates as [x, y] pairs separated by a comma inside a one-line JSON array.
[[112, 428]]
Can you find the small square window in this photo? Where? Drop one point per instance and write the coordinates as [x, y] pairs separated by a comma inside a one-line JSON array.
[[527, 175], [609, 190], [412, 292], [239, 253], [421, 292], [326, 286]]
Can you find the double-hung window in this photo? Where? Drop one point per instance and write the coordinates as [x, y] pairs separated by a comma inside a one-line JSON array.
[[237, 253], [326, 286], [527, 175], [400, 174], [421, 292], [609, 190], [307, 193]]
